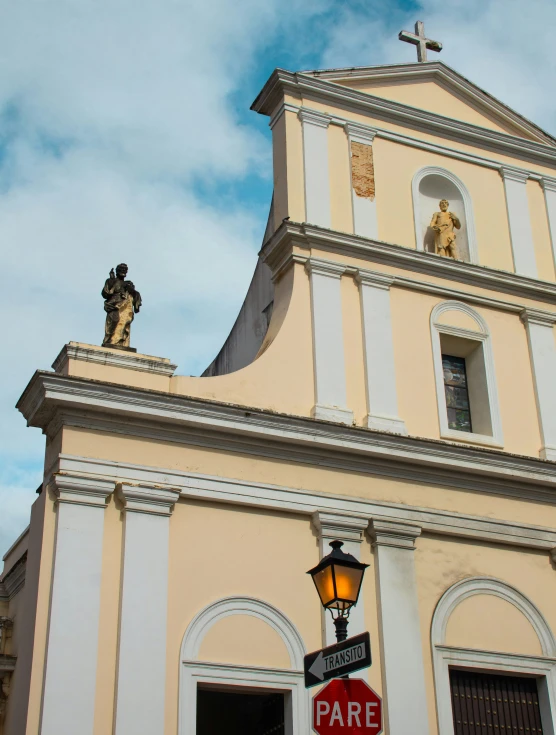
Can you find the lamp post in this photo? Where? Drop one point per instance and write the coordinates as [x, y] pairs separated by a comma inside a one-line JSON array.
[[338, 578]]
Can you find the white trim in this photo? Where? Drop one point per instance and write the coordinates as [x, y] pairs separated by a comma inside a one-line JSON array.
[[401, 647], [144, 602], [112, 358], [303, 235], [315, 165], [519, 221], [549, 188], [481, 335], [68, 703], [542, 354], [193, 672], [380, 367], [250, 678], [307, 502], [421, 174], [328, 341], [411, 141], [445, 656], [319, 90]]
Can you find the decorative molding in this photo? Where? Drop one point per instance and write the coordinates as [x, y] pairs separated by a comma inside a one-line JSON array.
[[336, 508], [359, 133], [353, 101], [323, 267], [482, 335], [445, 656], [536, 316], [81, 490], [14, 580], [16, 542], [306, 236], [194, 674], [394, 533], [148, 498], [548, 184], [443, 75], [112, 358], [472, 586], [332, 413], [314, 117], [169, 417], [285, 107], [345, 528], [513, 174], [374, 278], [252, 606], [421, 174]]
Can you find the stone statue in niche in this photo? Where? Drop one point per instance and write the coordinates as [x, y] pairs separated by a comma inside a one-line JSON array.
[[444, 224], [121, 303]]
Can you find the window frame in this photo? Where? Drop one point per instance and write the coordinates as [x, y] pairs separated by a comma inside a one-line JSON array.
[[480, 335]]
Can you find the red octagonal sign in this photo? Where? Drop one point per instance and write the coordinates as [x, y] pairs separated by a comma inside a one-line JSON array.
[[347, 707]]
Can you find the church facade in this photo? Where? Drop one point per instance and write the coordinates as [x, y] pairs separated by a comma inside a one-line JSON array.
[[390, 382]]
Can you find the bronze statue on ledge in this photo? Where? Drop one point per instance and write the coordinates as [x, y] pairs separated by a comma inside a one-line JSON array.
[[121, 302]]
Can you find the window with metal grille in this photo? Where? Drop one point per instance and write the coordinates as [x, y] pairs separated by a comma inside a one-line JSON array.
[[483, 704], [457, 395]]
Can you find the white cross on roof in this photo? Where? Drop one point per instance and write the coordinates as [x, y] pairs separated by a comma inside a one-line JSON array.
[[418, 39]]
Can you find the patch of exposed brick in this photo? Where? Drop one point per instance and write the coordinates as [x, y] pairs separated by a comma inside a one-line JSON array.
[[362, 170]]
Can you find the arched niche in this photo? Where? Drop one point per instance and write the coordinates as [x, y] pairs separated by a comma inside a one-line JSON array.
[[281, 670], [535, 656], [430, 185]]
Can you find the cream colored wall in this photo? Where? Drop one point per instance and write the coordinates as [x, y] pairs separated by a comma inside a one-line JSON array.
[[488, 623], [433, 97], [289, 182], [417, 389], [289, 474], [440, 563], [281, 378]]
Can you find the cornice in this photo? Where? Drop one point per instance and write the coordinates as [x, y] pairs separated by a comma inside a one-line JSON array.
[[442, 73], [57, 400], [331, 526], [323, 267], [346, 514], [112, 358], [375, 280], [360, 133], [548, 184], [314, 117], [14, 580], [306, 87], [305, 236]]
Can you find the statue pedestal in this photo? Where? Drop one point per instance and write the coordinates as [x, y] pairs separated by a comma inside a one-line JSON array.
[[76, 356]]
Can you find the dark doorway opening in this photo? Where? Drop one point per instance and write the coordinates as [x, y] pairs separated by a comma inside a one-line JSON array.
[[239, 713], [484, 704]]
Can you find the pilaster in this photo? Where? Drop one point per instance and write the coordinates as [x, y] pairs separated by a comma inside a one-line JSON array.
[[71, 663], [328, 341], [401, 644], [549, 188], [364, 207], [519, 219], [380, 369], [350, 530], [142, 644], [316, 166], [542, 353]]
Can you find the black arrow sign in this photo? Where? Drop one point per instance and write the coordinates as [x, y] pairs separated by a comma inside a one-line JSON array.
[[338, 660]]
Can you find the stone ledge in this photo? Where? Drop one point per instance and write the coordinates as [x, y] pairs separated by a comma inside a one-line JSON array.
[[112, 358]]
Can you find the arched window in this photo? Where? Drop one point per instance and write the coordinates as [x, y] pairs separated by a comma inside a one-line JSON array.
[[538, 663], [285, 677], [429, 186], [464, 374]]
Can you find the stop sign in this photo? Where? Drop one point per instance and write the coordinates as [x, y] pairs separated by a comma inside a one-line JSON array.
[[347, 707]]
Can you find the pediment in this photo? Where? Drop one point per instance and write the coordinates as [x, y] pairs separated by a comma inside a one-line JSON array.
[[435, 87]]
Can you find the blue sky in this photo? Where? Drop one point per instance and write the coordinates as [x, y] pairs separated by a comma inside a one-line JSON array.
[[125, 134]]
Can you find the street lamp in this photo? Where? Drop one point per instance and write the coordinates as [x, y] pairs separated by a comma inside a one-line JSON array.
[[338, 579]]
